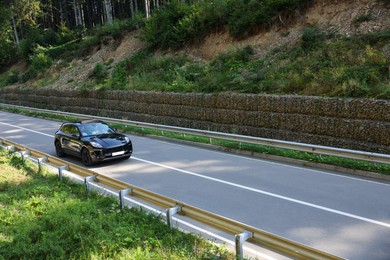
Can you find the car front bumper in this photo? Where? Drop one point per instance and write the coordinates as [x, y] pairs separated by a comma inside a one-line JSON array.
[[99, 155]]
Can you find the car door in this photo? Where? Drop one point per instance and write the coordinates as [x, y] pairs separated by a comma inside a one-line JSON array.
[[65, 138], [74, 143]]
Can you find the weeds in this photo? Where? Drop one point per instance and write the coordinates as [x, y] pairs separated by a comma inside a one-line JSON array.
[[42, 218], [323, 64]]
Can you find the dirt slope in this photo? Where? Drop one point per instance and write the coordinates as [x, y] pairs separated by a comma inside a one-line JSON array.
[[336, 15]]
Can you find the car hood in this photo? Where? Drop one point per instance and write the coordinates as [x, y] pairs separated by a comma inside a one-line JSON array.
[[108, 140]]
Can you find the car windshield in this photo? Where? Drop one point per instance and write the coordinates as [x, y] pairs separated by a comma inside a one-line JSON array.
[[95, 129]]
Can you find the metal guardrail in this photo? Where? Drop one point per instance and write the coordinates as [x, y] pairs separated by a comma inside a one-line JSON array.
[[242, 231], [317, 149]]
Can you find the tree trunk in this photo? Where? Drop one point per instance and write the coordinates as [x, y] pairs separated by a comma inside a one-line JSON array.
[[147, 8], [108, 11], [15, 30], [132, 8], [77, 13]]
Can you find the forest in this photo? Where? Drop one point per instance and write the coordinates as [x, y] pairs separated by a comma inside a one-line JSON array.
[[323, 62]]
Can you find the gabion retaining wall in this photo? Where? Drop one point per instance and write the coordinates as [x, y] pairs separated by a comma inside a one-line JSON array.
[[361, 124]]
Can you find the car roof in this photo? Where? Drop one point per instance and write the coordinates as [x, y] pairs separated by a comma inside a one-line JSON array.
[[81, 122], [90, 121]]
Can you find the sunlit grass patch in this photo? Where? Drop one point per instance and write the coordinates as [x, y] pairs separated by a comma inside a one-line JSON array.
[[41, 217]]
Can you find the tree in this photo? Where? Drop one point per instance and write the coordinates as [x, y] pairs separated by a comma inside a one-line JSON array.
[[147, 8], [108, 11], [8, 39]]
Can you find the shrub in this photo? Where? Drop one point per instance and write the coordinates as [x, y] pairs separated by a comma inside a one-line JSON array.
[[362, 18], [243, 16], [311, 38], [178, 22], [39, 62], [7, 52], [123, 69], [100, 72], [12, 77], [49, 37], [28, 44], [160, 29]]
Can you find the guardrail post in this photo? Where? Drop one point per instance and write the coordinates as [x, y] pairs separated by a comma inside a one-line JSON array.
[[240, 239], [87, 180], [170, 213], [40, 162], [10, 148], [24, 154], [60, 169], [122, 194]]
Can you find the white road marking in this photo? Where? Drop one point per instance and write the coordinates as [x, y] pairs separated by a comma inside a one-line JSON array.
[[284, 165], [268, 193], [26, 129], [244, 187]]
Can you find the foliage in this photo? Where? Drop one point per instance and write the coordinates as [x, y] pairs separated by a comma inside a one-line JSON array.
[[312, 37], [322, 64], [117, 28], [179, 23], [8, 51], [160, 29], [99, 72], [12, 77], [40, 62], [42, 218]]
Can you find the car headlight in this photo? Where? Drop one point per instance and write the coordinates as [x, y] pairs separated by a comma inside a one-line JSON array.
[[127, 139], [96, 145]]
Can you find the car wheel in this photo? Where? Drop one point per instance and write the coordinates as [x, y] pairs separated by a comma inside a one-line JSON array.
[[59, 151], [86, 157]]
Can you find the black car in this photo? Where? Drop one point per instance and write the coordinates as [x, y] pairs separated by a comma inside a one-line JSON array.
[[93, 141]]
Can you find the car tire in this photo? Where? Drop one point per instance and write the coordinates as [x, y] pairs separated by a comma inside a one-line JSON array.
[[86, 157], [59, 150]]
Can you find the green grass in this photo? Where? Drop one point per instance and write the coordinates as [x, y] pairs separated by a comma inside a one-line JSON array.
[[42, 218], [321, 64], [353, 164]]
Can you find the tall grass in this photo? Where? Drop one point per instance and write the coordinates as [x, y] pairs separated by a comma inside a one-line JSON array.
[[323, 63], [42, 218]]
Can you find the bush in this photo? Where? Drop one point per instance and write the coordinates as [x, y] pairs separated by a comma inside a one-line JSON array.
[[7, 52], [159, 30], [39, 63], [29, 43], [12, 77], [178, 23], [100, 72], [117, 28], [243, 16], [311, 38], [122, 70], [49, 37]]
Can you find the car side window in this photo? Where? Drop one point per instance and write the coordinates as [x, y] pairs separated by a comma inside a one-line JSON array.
[[70, 130], [74, 130], [65, 129]]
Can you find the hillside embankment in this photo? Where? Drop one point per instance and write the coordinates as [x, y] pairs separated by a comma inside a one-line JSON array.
[[362, 124]]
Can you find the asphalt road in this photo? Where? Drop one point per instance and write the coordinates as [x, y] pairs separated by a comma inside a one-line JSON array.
[[343, 215]]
